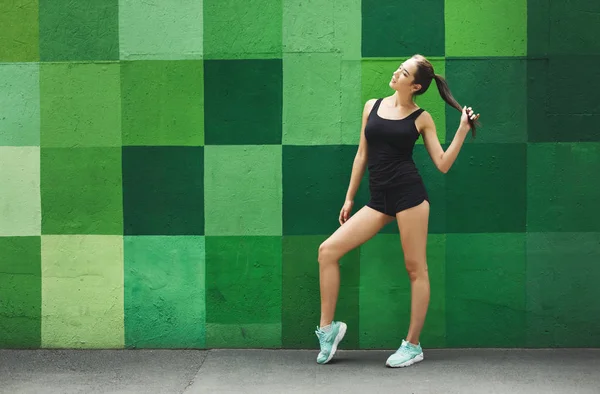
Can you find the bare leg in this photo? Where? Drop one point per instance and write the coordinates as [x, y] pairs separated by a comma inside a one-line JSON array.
[[413, 226], [361, 227]]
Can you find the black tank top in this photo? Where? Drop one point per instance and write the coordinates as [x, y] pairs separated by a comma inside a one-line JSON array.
[[390, 149]]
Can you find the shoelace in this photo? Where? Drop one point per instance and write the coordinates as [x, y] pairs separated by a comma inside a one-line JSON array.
[[322, 335], [403, 350]]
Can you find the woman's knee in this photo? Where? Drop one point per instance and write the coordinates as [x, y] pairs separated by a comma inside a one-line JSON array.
[[328, 253], [416, 267]]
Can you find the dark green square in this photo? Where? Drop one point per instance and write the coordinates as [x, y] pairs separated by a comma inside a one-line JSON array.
[[403, 28], [86, 30], [563, 297], [166, 111], [485, 290], [554, 119], [81, 191], [163, 190], [385, 294], [538, 129], [243, 101], [538, 19], [562, 191], [301, 295], [496, 89], [19, 34], [20, 292], [563, 27], [243, 291], [315, 182], [486, 189]]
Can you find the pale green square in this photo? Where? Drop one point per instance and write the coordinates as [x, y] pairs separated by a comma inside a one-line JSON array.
[[20, 203], [311, 99], [243, 190], [376, 75], [322, 26], [80, 105], [242, 29], [20, 105], [160, 30], [82, 291], [321, 100], [486, 28]]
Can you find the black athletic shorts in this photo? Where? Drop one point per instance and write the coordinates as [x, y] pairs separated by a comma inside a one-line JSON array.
[[399, 198]]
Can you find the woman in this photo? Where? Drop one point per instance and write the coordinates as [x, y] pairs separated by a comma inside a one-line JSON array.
[[390, 128]]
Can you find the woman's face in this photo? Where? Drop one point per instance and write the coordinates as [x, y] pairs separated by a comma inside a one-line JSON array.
[[403, 78]]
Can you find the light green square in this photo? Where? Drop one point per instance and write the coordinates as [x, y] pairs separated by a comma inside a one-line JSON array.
[[82, 291], [311, 99], [352, 104], [322, 26], [20, 206], [321, 100], [348, 28], [20, 105], [243, 192], [486, 28], [248, 29], [376, 75], [385, 293], [161, 30], [80, 105]]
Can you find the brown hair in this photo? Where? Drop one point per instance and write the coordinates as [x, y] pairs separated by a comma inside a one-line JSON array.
[[425, 75]]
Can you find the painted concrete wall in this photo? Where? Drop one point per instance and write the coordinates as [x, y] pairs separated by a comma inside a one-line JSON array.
[[169, 169]]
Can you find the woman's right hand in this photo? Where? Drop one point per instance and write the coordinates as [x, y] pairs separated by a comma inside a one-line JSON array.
[[346, 211]]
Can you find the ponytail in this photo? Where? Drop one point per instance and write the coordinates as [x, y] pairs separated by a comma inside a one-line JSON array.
[[444, 90]]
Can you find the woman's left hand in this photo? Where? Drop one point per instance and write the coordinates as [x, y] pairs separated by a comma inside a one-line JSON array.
[[467, 113]]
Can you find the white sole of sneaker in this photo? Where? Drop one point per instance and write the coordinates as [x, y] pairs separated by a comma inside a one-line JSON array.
[[337, 340], [408, 363]]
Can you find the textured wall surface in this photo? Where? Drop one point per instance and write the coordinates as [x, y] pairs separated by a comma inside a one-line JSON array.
[[169, 169]]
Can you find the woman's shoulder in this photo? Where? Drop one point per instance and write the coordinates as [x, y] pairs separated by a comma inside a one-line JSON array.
[[424, 120], [369, 104]]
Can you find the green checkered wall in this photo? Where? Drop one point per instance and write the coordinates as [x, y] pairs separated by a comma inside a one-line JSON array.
[[169, 169]]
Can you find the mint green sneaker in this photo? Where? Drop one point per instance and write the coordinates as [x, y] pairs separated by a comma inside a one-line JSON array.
[[406, 355], [329, 341]]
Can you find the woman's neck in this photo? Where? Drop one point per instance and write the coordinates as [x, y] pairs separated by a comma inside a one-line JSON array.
[[402, 101]]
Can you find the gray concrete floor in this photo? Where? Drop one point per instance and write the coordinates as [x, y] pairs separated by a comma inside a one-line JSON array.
[[569, 371]]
